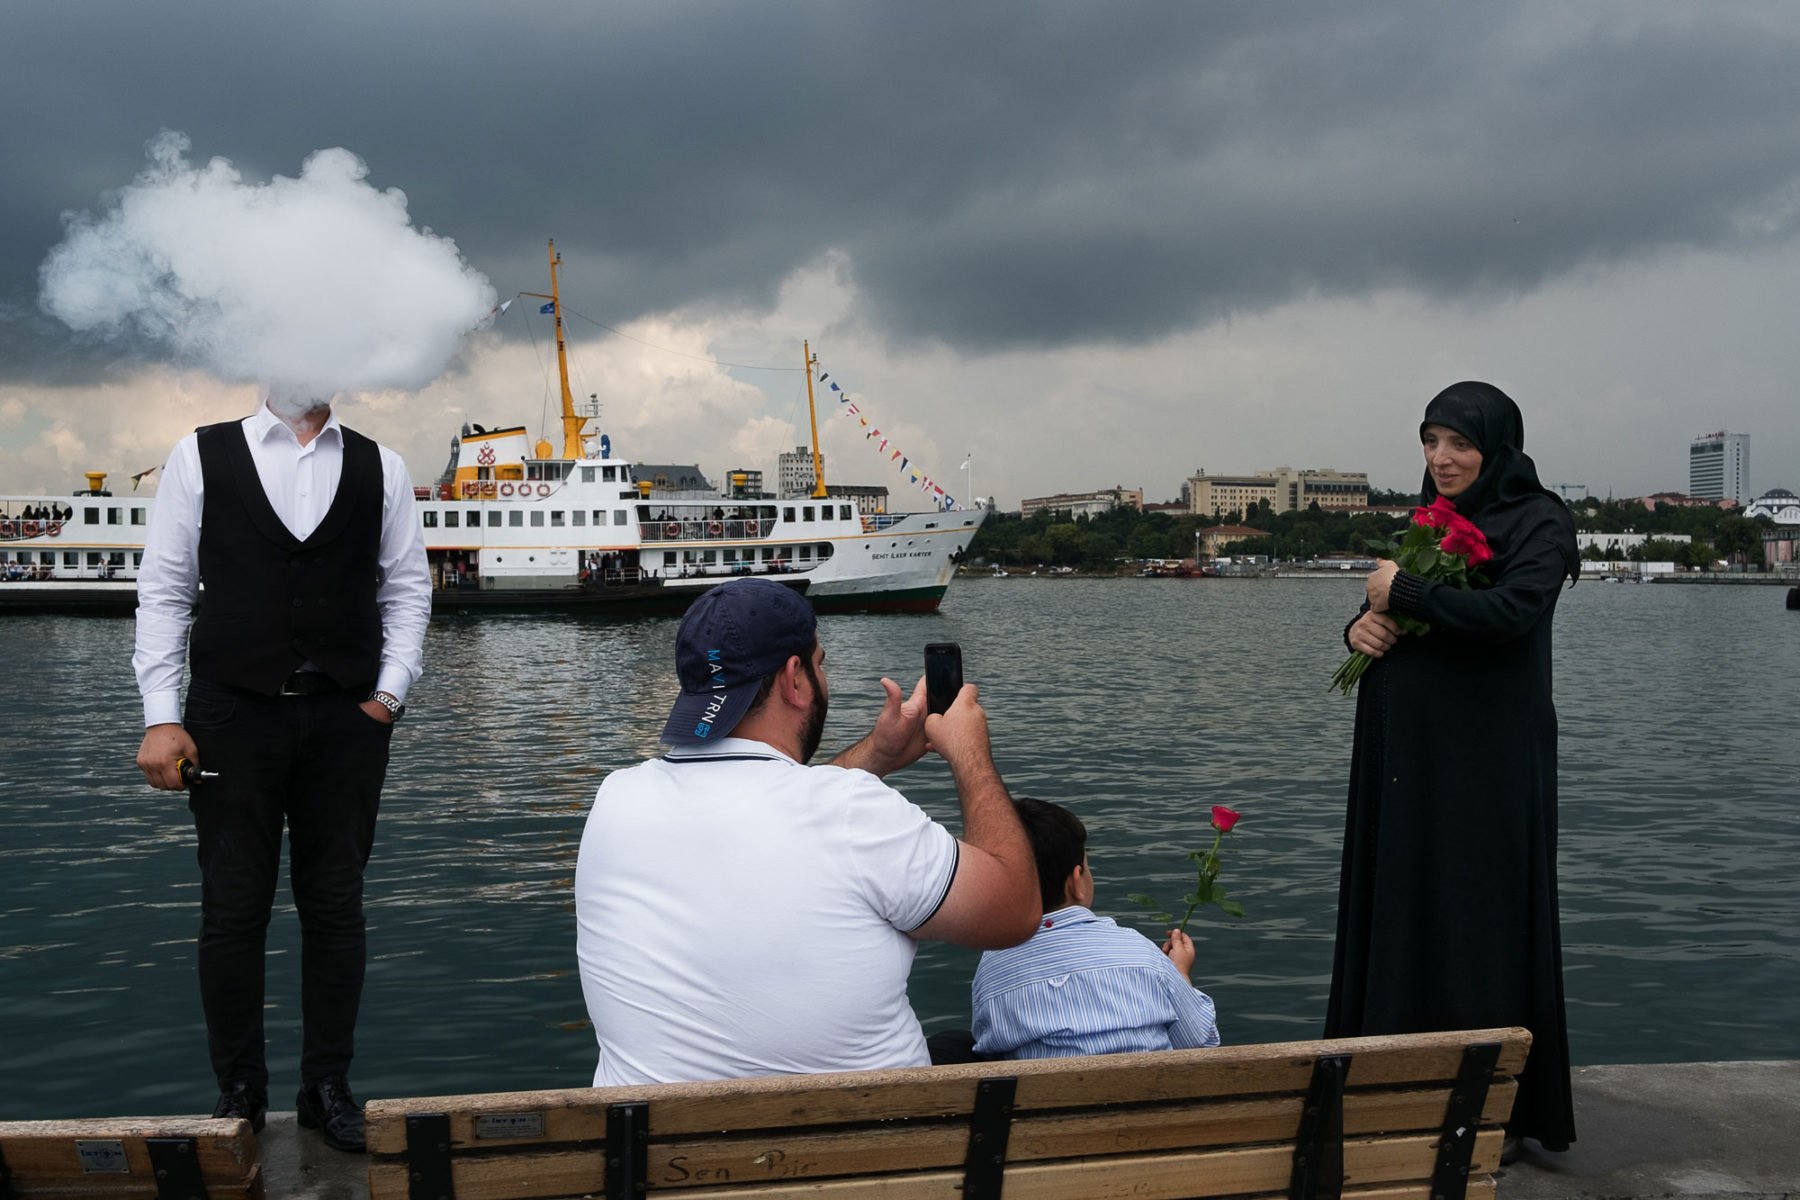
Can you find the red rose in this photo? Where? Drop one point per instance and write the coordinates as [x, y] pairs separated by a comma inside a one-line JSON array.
[[1464, 538], [1223, 818], [1434, 517]]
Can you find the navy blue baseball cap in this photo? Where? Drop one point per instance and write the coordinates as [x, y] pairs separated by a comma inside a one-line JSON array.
[[731, 639]]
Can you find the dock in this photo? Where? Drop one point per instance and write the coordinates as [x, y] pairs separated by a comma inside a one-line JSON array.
[[1688, 1131]]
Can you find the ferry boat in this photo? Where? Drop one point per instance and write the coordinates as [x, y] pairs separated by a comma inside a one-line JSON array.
[[512, 524]]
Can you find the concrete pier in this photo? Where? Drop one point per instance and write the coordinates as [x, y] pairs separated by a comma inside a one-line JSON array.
[[1693, 1131]]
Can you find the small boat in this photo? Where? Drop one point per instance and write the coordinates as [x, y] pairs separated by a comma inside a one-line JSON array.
[[517, 525]]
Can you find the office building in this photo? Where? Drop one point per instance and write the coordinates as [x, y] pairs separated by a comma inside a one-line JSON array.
[[1283, 488], [1719, 467], [1084, 504], [794, 471]]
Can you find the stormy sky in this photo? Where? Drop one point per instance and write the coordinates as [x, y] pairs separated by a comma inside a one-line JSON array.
[[1078, 244]]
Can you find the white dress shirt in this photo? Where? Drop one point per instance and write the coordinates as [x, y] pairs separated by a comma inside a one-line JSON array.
[[300, 482]]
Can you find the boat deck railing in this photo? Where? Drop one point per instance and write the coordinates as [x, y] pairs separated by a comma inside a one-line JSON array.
[[710, 530]]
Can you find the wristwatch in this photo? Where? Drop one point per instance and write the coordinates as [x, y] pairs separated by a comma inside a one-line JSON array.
[[396, 710]]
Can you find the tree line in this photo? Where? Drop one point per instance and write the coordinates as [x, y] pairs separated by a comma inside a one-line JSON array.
[[1104, 541]]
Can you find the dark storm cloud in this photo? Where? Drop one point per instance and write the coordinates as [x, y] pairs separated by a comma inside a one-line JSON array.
[[996, 174]]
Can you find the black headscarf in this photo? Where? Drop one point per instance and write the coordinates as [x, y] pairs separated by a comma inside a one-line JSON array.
[[1506, 500]]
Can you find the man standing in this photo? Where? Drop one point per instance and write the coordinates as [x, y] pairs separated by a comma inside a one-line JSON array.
[[302, 646], [741, 913]]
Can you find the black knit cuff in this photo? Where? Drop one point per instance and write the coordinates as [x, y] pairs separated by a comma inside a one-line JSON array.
[[1406, 593]]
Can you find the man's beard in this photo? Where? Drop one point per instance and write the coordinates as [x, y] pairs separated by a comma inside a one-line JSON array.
[[814, 728]]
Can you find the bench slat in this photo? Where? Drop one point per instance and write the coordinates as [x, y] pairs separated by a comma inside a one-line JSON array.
[[784, 1101], [42, 1158], [545, 1174]]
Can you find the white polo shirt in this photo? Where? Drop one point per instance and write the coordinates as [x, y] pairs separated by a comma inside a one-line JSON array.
[[741, 914]]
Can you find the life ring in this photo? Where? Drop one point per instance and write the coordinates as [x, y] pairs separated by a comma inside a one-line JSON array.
[[6, 528], [506, 489], [715, 529], [672, 529], [543, 489], [29, 528], [55, 529]]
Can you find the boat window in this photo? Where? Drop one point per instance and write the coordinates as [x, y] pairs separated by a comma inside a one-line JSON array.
[[93, 558], [137, 558], [556, 518], [787, 514], [112, 516], [768, 553], [474, 518], [618, 516], [90, 516], [452, 518], [844, 512], [537, 518], [599, 516], [430, 519], [806, 553], [668, 558], [71, 560], [609, 474], [138, 516], [709, 557], [806, 514], [578, 517], [824, 551], [515, 518], [534, 470], [493, 518], [116, 558], [587, 474]]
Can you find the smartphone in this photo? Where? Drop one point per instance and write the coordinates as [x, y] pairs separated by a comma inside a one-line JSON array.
[[943, 675]]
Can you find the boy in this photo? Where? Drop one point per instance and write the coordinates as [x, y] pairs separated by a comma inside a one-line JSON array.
[[1081, 984]]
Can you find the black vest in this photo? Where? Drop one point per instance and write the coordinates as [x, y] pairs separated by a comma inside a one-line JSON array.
[[269, 601]]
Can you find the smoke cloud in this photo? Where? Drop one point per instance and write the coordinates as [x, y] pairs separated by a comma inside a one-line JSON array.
[[313, 286]]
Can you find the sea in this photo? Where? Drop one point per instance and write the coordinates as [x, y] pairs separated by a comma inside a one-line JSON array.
[[1140, 703]]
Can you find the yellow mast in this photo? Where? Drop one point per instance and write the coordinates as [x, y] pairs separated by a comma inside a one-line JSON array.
[[573, 424], [818, 492]]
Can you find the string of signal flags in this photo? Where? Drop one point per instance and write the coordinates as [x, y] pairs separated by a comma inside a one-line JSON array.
[[885, 447]]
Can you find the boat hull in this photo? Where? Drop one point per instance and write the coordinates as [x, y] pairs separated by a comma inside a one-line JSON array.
[[643, 600]]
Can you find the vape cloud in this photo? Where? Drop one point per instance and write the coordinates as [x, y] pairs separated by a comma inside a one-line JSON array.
[[312, 285]]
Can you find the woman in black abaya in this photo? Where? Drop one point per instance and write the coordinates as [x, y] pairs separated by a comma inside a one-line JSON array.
[[1447, 915]]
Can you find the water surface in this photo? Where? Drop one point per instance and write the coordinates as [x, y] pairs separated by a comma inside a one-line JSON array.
[[1140, 703]]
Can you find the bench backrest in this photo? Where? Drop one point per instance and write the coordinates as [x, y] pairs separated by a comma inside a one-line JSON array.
[[160, 1157], [1411, 1115]]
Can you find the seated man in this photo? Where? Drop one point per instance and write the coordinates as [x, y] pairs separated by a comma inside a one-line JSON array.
[[1083, 985], [741, 913]]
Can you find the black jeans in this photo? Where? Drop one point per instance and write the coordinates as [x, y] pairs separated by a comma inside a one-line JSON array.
[[316, 762]]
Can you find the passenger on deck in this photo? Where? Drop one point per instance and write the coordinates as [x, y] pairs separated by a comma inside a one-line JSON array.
[[740, 913], [1082, 984]]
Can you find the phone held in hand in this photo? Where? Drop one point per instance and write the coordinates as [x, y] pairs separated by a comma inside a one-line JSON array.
[[943, 675]]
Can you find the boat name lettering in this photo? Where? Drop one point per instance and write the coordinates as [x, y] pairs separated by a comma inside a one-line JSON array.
[[901, 554]]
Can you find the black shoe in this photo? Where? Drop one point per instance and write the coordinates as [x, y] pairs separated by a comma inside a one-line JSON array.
[[329, 1107], [246, 1101]]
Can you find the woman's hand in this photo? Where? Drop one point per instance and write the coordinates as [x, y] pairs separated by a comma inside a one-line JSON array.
[[1373, 634], [1379, 583]]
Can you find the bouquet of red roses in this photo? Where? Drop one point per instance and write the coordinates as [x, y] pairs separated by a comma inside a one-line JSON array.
[[1442, 545]]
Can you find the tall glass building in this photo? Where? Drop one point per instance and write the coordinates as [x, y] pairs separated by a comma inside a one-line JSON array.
[[1719, 467]]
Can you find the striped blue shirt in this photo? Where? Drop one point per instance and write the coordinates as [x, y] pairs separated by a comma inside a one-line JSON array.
[[1082, 985]]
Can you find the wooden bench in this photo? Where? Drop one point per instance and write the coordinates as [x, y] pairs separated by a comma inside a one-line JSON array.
[[1381, 1118], [166, 1158]]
